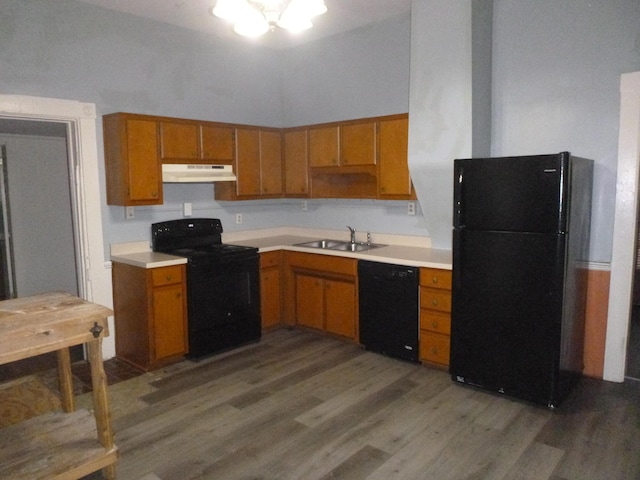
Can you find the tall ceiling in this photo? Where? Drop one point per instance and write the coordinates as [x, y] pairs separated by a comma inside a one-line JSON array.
[[342, 16]]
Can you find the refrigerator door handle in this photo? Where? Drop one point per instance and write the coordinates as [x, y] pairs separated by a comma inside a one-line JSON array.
[[455, 251], [458, 197]]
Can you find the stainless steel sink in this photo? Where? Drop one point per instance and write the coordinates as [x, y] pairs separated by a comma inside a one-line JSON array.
[[321, 244], [339, 245], [356, 247]]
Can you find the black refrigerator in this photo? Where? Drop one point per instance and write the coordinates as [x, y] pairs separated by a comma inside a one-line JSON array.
[[520, 250]]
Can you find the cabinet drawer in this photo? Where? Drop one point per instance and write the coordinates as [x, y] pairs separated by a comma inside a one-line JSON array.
[[269, 259], [327, 264], [434, 321], [434, 299], [166, 275], [434, 347], [435, 278]]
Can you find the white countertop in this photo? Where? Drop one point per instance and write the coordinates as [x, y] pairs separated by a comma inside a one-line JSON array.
[[401, 254], [398, 249]]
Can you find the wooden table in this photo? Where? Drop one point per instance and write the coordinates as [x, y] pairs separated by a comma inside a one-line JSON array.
[[58, 445]]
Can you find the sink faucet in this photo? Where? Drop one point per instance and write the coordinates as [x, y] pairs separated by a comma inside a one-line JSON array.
[[353, 234]]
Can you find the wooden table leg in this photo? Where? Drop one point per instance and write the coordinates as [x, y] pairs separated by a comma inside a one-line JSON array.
[[100, 402], [65, 380]]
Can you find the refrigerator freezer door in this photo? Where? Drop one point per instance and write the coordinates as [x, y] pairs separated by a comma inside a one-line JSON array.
[[511, 194], [507, 312]]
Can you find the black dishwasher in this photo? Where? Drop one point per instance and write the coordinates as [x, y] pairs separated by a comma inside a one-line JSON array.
[[388, 301]]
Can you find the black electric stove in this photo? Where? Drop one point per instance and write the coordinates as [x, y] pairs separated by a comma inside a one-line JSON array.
[[223, 284]]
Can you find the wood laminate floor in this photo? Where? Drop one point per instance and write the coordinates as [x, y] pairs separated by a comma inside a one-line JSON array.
[[299, 405]]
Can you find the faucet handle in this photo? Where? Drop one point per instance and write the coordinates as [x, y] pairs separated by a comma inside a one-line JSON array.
[[352, 230]]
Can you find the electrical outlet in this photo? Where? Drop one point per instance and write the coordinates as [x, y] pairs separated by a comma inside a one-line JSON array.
[[304, 205], [188, 209], [238, 218], [129, 214], [411, 208]]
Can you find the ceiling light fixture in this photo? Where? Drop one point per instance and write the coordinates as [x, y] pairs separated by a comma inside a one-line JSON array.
[[252, 18]]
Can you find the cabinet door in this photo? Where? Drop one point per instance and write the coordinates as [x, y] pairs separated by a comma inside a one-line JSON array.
[[179, 141], [296, 178], [217, 144], [271, 163], [310, 301], [248, 162], [324, 147], [358, 144], [169, 327], [145, 175], [270, 296], [340, 308], [393, 167]]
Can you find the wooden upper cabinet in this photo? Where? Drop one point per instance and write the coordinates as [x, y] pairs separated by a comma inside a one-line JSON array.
[[324, 147], [349, 144], [296, 162], [179, 141], [270, 162], [217, 144], [365, 158], [393, 168], [258, 166], [196, 142], [358, 144], [132, 164], [248, 162]]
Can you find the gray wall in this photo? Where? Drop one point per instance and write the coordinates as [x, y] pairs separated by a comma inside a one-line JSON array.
[[40, 203], [362, 73], [557, 67]]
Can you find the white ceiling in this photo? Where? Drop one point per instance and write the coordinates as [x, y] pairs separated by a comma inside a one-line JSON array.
[[342, 16]]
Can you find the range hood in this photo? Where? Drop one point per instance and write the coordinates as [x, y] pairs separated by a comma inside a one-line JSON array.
[[196, 173]]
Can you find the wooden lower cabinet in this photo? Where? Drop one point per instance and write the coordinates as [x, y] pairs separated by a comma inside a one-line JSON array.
[[435, 316], [150, 313], [321, 293], [309, 298], [340, 307], [271, 289]]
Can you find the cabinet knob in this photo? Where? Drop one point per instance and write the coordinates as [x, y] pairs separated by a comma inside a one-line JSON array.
[[434, 302], [154, 194], [169, 277], [434, 280], [434, 351], [434, 324]]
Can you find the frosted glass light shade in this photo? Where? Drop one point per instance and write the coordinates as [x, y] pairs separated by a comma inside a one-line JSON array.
[[253, 18]]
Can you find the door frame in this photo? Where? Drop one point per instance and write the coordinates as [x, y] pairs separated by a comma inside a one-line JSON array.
[[94, 282], [624, 230]]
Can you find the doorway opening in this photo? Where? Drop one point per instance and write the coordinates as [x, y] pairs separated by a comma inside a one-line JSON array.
[[79, 121], [7, 274], [40, 251]]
